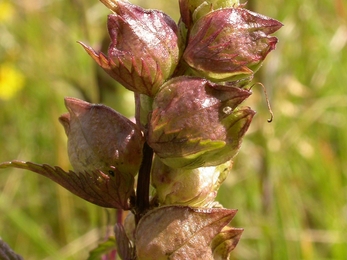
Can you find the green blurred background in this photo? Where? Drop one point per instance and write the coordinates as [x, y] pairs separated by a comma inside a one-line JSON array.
[[289, 181]]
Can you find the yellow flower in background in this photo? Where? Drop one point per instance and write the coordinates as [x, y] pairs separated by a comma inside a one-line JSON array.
[[6, 11], [11, 81]]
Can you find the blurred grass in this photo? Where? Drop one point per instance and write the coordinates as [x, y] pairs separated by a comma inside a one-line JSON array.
[[289, 181]]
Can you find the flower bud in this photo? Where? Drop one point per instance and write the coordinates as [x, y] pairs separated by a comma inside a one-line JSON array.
[[230, 44], [144, 50], [192, 187], [99, 138], [196, 123], [192, 10], [179, 232]]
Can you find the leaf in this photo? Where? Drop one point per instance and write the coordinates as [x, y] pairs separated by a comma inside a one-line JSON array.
[[180, 232], [96, 187], [102, 249], [6, 253]]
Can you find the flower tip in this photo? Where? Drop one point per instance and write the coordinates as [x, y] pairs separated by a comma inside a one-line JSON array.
[[272, 43], [86, 47], [100, 58], [247, 117], [65, 121], [76, 106], [247, 113], [276, 25]]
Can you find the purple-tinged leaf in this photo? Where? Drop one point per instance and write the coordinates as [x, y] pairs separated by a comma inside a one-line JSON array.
[[102, 189]]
